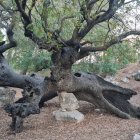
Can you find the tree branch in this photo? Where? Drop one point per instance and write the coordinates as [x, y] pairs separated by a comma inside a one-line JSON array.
[[9, 78], [113, 6], [32, 6], [91, 4], [116, 40], [27, 21]]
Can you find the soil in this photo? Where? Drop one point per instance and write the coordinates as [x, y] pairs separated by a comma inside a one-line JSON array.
[[96, 125]]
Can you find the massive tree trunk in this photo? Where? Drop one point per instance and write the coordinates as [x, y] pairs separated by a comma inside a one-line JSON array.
[[90, 87], [85, 86]]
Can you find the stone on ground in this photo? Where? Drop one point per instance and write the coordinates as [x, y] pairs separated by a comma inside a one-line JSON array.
[[111, 79], [68, 112], [74, 115], [137, 76], [125, 80], [68, 102], [136, 137]]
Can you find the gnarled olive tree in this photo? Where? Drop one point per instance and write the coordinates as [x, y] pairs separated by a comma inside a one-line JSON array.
[[65, 52]]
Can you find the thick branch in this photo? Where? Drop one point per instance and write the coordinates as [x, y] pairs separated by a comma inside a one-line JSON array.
[[2, 43], [109, 13], [94, 89], [116, 40], [21, 9], [9, 78], [91, 4], [113, 6], [27, 21]]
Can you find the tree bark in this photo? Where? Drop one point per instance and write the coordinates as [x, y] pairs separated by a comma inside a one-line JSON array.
[[91, 87], [85, 86]]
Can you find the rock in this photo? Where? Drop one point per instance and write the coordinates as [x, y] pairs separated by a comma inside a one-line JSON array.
[[125, 80], [75, 115], [111, 79], [97, 110], [6, 96], [136, 76], [136, 137], [68, 112], [115, 82], [68, 101]]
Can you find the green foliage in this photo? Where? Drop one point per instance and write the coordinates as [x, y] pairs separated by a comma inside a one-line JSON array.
[[101, 68], [26, 56], [111, 61]]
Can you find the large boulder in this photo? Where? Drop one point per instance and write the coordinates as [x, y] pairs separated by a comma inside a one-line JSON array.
[[68, 102], [6, 96]]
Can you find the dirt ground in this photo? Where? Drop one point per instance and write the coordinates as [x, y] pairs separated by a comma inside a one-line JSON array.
[[95, 126]]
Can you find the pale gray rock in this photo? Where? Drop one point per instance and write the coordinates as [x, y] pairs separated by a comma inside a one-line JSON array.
[[125, 80], [97, 110], [74, 115], [68, 112], [115, 82], [6, 96], [136, 137], [68, 102], [111, 79]]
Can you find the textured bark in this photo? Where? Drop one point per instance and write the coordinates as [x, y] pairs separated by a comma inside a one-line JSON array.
[[91, 87], [32, 92], [84, 86], [88, 87], [105, 95]]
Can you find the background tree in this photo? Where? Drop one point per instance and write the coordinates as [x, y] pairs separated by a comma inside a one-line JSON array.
[[67, 31], [26, 59]]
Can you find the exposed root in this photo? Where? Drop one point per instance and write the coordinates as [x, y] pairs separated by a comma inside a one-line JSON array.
[[92, 88], [86, 87], [121, 101], [18, 111], [106, 95]]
